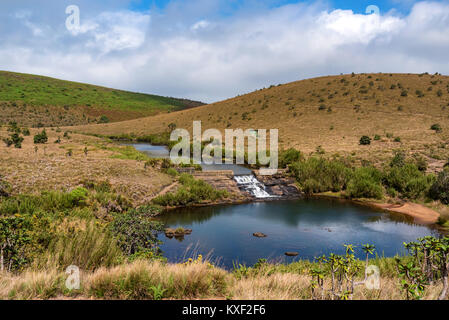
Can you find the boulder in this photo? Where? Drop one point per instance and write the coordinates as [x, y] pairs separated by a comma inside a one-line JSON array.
[[291, 254], [259, 235]]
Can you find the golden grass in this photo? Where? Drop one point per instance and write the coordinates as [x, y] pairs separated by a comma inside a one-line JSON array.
[[141, 279], [50, 168], [293, 109]]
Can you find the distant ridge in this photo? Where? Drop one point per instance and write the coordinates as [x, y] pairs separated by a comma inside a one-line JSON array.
[[34, 100]]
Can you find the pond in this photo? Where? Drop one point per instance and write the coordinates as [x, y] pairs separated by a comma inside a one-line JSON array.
[[311, 227]]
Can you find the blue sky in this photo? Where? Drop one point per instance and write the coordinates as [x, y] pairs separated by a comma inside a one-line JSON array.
[[211, 50], [358, 6]]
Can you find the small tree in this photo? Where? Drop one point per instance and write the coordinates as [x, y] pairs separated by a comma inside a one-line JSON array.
[[365, 140]]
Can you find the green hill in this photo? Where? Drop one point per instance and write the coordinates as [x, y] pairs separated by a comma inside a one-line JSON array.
[[42, 101]]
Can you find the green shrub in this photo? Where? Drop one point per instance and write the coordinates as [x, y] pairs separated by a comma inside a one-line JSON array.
[[288, 157], [408, 181], [325, 175], [366, 182], [78, 196], [41, 138], [26, 132], [365, 140], [440, 188], [436, 127], [172, 172], [377, 137], [136, 232], [191, 192], [103, 119]]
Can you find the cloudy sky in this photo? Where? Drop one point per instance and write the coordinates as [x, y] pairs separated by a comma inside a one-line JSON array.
[[211, 50]]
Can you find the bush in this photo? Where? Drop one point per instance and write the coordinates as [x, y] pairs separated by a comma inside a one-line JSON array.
[[136, 232], [324, 175], [288, 157], [172, 172], [436, 127], [41, 138], [365, 140], [408, 181], [78, 196], [440, 188], [103, 119], [191, 192], [366, 182]]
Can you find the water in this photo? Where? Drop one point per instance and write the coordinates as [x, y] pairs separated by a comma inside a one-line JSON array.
[[250, 184], [163, 152], [310, 227]]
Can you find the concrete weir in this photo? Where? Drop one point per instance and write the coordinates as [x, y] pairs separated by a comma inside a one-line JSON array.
[[253, 186]]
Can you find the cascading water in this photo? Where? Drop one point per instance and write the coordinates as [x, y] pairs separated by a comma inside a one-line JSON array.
[[250, 184]]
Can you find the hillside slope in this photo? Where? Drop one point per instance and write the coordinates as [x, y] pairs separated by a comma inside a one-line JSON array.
[[41, 101], [328, 113]]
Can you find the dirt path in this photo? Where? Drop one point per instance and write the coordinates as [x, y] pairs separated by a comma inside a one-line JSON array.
[[420, 213], [166, 190]]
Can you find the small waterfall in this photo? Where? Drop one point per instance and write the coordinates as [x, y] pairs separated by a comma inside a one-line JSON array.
[[250, 184]]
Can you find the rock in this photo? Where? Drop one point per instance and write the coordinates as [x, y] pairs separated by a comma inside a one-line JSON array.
[[259, 235], [291, 254], [180, 232]]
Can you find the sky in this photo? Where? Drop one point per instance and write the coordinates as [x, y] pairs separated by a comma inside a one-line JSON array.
[[210, 50]]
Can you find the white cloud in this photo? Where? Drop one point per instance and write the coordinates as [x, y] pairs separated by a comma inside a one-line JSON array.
[[181, 53]]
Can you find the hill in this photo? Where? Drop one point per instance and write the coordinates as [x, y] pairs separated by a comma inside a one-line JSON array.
[[328, 114], [33, 100]]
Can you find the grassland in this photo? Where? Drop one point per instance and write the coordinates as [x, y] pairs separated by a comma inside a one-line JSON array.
[[63, 166], [329, 114], [41, 101], [157, 280]]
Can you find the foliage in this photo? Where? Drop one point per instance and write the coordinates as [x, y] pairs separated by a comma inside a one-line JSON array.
[[41, 137], [288, 157], [321, 175], [14, 237], [191, 192], [136, 232], [430, 264], [366, 182], [408, 181], [365, 140], [440, 188]]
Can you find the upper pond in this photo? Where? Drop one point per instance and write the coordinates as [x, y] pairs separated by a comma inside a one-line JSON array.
[[311, 227]]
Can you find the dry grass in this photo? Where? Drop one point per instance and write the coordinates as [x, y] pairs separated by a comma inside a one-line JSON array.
[[293, 109], [141, 279], [50, 168]]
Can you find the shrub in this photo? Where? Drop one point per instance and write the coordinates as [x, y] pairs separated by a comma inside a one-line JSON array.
[[41, 138], [172, 172], [366, 182], [365, 140], [324, 175], [78, 196], [17, 140], [436, 127], [103, 119], [404, 93], [377, 137], [136, 233], [288, 157], [191, 192], [398, 159], [440, 188], [26, 132], [408, 181]]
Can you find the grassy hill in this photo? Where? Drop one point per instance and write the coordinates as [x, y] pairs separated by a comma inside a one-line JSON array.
[[329, 114], [41, 101]]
